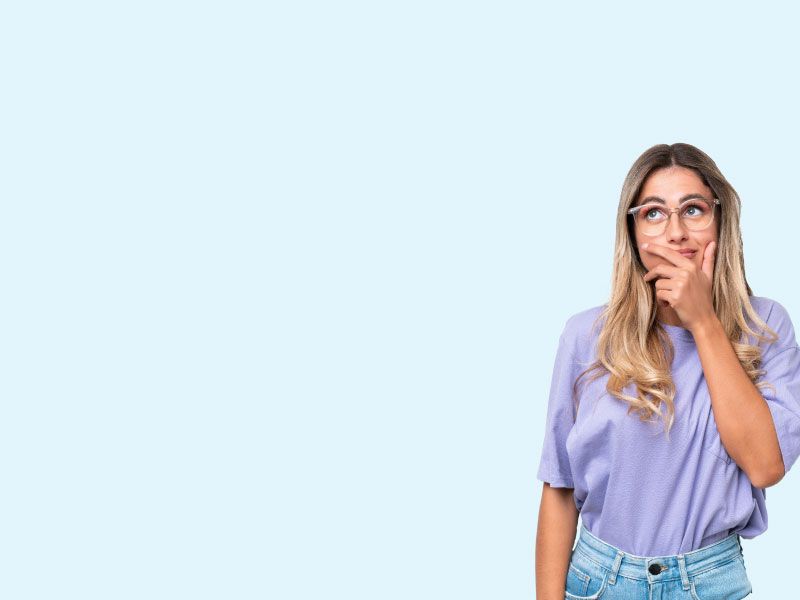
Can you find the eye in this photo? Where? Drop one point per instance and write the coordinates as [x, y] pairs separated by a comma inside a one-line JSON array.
[[652, 213], [695, 209]]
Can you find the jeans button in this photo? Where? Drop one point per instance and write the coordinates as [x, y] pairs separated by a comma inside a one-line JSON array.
[[654, 569]]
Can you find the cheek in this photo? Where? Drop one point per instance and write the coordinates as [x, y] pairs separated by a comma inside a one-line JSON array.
[[703, 241], [637, 241], [648, 262], [645, 259]]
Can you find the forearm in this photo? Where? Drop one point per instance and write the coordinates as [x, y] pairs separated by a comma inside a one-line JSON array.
[[555, 536], [743, 418]]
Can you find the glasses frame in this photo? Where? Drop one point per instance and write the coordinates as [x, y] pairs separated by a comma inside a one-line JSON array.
[[713, 203]]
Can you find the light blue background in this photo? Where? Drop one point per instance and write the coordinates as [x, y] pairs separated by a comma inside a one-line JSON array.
[[283, 282]]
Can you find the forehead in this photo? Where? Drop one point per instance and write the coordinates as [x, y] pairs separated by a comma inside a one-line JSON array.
[[672, 183]]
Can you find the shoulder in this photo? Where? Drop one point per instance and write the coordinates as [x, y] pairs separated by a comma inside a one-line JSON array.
[[777, 317], [764, 306], [582, 328]]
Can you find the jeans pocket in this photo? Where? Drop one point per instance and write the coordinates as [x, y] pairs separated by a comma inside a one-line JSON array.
[[586, 580], [726, 580]]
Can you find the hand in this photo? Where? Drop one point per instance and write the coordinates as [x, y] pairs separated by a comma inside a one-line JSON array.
[[684, 286]]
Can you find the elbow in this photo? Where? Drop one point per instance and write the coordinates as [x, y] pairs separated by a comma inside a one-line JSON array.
[[768, 477]]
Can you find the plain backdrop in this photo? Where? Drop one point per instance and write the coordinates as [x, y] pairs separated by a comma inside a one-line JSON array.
[[283, 281]]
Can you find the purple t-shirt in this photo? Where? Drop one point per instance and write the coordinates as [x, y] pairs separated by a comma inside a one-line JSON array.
[[633, 488]]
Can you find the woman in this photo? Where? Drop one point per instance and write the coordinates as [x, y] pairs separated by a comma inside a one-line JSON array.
[[672, 407]]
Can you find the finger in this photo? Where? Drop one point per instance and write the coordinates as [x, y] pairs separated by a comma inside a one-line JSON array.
[[673, 256], [664, 297], [709, 256], [665, 284], [662, 270]]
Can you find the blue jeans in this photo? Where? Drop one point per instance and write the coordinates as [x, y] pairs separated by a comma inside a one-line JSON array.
[[599, 570]]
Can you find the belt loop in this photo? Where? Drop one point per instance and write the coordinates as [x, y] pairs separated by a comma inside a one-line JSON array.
[[684, 575], [612, 579]]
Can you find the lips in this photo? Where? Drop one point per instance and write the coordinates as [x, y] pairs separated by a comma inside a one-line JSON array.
[[688, 253]]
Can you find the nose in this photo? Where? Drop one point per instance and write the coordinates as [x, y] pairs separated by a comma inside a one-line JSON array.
[[676, 232]]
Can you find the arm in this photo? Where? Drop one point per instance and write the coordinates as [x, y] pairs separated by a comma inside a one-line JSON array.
[[743, 418], [555, 536]]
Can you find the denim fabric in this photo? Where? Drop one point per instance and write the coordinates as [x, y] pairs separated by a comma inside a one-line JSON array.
[[600, 570]]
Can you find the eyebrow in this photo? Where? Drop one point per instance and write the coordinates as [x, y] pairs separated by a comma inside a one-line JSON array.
[[662, 201]]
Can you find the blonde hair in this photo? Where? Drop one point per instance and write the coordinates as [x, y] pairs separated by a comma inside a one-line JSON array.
[[632, 346]]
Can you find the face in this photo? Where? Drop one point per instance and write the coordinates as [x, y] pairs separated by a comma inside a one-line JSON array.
[[671, 184]]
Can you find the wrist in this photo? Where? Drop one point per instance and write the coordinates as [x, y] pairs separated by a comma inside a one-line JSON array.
[[707, 327]]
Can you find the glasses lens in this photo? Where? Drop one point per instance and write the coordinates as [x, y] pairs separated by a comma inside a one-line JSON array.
[[695, 215], [651, 219]]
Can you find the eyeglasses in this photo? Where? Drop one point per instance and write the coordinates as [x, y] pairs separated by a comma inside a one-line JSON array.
[[696, 214]]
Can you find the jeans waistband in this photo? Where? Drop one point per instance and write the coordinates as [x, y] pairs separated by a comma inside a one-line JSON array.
[[676, 566]]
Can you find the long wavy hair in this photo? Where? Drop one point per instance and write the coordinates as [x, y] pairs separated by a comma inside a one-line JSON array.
[[632, 346]]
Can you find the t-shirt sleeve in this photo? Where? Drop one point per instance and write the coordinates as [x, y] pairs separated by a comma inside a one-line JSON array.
[[554, 465], [781, 362]]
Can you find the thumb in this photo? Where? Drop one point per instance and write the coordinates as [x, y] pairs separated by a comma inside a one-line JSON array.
[[708, 259]]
